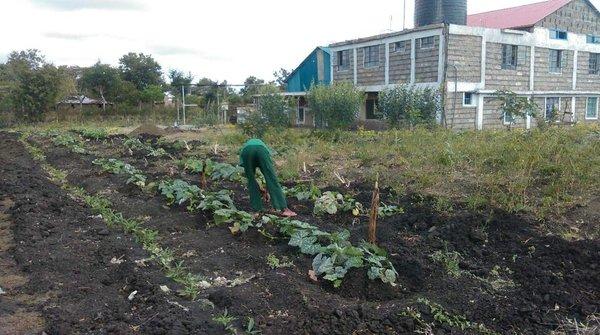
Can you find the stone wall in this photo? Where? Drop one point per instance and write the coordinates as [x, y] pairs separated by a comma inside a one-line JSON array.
[[400, 64], [576, 17], [585, 80], [374, 75], [464, 52], [547, 81], [426, 62], [346, 74], [514, 79], [464, 117]]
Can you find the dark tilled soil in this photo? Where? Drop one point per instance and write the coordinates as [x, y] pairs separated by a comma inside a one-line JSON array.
[[512, 278], [65, 254]]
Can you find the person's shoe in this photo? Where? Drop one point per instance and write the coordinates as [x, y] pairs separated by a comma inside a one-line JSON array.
[[288, 213]]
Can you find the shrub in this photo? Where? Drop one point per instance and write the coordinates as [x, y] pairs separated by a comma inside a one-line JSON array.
[[335, 106], [274, 107], [513, 106], [255, 125], [409, 106]]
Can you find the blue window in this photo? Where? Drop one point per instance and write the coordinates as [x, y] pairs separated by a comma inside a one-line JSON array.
[[558, 34], [593, 39]]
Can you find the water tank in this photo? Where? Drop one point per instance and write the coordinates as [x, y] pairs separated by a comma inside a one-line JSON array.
[[440, 11]]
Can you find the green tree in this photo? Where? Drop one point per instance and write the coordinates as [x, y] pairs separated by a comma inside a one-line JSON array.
[[513, 106], [280, 77], [251, 87], [140, 70], [101, 81], [152, 94], [34, 85], [335, 106], [178, 79]]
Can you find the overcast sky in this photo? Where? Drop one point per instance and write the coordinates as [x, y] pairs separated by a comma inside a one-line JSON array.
[[220, 39]]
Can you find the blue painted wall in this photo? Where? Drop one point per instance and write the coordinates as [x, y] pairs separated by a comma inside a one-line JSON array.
[[308, 72]]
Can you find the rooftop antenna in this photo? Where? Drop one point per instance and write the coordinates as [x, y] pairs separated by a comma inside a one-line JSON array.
[[391, 19]]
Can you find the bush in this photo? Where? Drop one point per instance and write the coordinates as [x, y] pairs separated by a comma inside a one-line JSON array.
[[274, 107], [255, 125], [335, 106], [409, 106]]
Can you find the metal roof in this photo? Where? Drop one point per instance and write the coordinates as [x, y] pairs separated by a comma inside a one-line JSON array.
[[516, 17]]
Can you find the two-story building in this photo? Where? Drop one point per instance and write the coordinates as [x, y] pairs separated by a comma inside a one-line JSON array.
[[548, 51]]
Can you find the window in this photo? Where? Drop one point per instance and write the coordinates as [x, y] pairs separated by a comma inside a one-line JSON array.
[[592, 39], [343, 59], [591, 110], [558, 34], [556, 61], [400, 46], [552, 107], [427, 42], [594, 63], [371, 56], [468, 100], [301, 115], [510, 56]]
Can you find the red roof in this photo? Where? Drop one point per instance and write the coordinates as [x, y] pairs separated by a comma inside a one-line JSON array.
[[516, 17]]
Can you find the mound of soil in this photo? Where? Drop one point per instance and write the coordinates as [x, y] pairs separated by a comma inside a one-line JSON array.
[[79, 275], [512, 277], [147, 129]]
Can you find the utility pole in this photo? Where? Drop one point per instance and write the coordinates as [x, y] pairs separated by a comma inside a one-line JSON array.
[[183, 102]]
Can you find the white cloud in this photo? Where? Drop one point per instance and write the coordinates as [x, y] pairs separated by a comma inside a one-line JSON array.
[[222, 40]]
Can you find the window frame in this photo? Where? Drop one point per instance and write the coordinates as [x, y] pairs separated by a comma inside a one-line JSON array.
[[341, 56], [556, 34], [513, 57], [472, 99], [593, 39], [587, 107], [427, 46], [596, 69], [560, 54], [546, 106], [366, 51], [402, 49]]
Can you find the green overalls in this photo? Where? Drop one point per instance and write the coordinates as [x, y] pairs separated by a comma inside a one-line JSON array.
[[256, 154]]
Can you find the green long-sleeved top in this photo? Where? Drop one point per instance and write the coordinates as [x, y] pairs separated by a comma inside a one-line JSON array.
[[255, 141]]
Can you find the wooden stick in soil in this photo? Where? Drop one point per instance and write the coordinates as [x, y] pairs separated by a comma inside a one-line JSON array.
[[374, 213], [203, 177]]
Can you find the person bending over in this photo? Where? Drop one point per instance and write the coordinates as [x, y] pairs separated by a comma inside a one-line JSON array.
[[255, 154]]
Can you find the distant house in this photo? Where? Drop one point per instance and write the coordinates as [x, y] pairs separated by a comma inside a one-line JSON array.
[[314, 69], [80, 101]]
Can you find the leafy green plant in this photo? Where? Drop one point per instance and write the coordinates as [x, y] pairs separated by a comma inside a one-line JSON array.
[[241, 220], [116, 166], [443, 317], [379, 264], [179, 191], [225, 320], [251, 327], [332, 202], [303, 192], [134, 144], [276, 263], [95, 134], [450, 260], [69, 141], [389, 210]]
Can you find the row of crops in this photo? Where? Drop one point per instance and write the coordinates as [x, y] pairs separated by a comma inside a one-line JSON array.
[[333, 253]]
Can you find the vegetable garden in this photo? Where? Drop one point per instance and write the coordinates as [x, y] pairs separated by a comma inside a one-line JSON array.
[[225, 270]]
